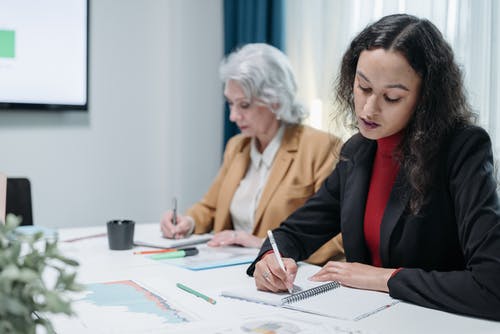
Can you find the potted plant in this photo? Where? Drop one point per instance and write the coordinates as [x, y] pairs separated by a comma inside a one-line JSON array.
[[34, 280]]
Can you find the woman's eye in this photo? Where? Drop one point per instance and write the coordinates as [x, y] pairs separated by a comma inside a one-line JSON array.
[[244, 105], [365, 89], [390, 100]]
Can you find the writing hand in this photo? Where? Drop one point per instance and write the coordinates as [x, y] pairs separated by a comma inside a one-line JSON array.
[[231, 237], [356, 275], [179, 231], [270, 277]]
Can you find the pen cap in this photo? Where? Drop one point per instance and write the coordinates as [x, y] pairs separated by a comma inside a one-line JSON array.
[[120, 234], [190, 251]]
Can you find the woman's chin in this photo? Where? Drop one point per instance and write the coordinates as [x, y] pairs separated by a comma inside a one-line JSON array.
[[246, 133], [370, 133]]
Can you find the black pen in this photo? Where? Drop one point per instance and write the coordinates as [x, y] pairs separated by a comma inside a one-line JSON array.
[[174, 209], [174, 213]]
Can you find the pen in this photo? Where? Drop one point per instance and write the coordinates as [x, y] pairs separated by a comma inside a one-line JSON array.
[[277, 253], [86, 237], [196, 293], [174, 212], [166, 250], [176, 254]]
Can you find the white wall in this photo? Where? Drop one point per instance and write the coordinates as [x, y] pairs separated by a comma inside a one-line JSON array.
[[154, 126]]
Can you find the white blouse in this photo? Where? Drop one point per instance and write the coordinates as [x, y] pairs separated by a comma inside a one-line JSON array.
[[246, 198]]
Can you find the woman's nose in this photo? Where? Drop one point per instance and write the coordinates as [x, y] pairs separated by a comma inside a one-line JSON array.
[[371, 106], [234, 115]]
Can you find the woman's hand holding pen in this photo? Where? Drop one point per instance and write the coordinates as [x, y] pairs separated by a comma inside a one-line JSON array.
[[270, 277], [355, 275], [231, 237], [178, 231]]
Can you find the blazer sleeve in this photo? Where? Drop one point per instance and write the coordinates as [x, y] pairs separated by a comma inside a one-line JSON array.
[[472, 186], [203, 212], [310, 226], [334, 248]]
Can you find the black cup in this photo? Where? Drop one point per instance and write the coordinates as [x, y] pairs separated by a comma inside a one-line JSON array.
[[120, 234]]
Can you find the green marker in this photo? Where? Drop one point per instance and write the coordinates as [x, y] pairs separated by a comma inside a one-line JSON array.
[[174, 255], [196, 293]]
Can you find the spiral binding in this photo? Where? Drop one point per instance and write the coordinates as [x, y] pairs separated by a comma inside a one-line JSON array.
[[310, 292]]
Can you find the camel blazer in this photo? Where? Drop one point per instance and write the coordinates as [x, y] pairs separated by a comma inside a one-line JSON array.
[[305, 158]]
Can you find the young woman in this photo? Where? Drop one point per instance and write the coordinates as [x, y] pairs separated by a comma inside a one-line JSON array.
[[272, 167], [414, 192]]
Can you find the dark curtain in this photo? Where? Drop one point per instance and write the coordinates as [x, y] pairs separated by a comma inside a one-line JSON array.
[[251, 21]]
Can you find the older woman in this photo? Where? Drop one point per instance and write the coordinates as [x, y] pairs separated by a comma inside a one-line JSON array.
[[271, 168]]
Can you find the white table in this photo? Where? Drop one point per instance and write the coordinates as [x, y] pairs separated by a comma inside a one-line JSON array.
[[99, 264]]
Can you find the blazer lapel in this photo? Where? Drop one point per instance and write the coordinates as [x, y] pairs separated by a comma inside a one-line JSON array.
[[398, 200], [281, 165], [355, 196]]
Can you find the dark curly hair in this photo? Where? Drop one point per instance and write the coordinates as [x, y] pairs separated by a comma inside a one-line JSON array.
[[442, 105]]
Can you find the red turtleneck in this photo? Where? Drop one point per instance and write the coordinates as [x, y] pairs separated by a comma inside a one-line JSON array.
[[384, 172]]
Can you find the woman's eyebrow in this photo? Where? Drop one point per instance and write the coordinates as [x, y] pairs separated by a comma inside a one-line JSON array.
[[358, 72], [398, 85]]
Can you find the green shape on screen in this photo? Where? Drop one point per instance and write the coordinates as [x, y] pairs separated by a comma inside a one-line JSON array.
[[7, 43]]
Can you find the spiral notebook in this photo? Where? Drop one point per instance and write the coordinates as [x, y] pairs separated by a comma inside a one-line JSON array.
[[328, 299]]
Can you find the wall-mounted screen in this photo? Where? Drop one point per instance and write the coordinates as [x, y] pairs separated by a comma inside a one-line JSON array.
[[43, 54]]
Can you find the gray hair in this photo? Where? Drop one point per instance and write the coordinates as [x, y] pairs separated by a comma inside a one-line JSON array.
[[265, 73]]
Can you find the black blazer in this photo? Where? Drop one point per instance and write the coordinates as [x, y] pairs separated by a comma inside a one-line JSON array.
[[449, 252]]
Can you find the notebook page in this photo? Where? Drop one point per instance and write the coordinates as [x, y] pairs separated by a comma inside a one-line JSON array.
[[345, 303]]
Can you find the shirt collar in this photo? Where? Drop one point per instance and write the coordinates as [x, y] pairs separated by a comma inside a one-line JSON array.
[[269, 153], [387, 145]]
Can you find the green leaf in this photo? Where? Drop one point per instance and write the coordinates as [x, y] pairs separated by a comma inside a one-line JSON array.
[[54, 303], [10, 272], [65, 260], [14, 307]]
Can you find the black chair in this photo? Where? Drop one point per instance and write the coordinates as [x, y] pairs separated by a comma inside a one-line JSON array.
[[18, 199]]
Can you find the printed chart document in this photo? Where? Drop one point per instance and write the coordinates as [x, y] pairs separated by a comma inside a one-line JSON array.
[[323, 298], [149, 235], [215, 257], [125, 306]]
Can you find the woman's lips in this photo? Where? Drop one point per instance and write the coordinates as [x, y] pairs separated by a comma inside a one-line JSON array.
[[368, 124]]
